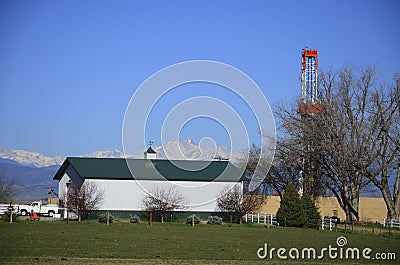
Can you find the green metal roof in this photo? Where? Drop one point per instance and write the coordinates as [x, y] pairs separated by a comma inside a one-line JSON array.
[[155, 169]]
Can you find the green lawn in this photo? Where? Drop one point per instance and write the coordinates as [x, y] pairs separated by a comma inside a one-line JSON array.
[[169, 243]]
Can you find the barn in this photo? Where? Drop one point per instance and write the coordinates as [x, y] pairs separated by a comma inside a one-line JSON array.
[[126, 181]]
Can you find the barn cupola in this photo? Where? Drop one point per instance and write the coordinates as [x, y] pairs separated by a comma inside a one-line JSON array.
[[150, 154]]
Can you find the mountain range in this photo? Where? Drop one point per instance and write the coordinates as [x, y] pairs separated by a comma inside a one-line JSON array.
[[34, 172]]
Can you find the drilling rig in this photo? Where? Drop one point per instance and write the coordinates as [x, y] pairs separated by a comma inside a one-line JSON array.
[[308, 107]]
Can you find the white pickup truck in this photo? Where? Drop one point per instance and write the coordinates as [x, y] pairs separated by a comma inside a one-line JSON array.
[[39, 208]]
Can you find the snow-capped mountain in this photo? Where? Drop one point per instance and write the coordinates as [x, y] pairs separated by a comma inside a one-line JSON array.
[[115, 153], [182, 150], [189, 150], [31, 159]]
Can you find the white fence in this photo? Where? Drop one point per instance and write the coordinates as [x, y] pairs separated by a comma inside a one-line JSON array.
[[328, 223], [4, 208], [392, 223], [260, 218]]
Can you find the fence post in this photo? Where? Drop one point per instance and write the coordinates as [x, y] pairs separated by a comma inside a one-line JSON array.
[[322, 223], [246, 217], [252, 217], [151, 218], [265, 218], [11, 215], [258, 217]]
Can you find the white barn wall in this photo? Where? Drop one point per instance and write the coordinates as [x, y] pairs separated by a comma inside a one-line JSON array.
[[126, 195], [70, 176]]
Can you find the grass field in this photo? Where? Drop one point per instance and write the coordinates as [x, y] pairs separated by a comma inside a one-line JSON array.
[[170, 243]]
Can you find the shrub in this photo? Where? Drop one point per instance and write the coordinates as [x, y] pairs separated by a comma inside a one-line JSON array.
[[103, 218], [214, 220], [134, 219], [291, 212], [196, 219]]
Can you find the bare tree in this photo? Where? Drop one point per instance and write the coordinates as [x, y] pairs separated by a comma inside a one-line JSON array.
[[7, 187], [162, 200], [342, 137], [363, 125], [233, 201], [386, 107], [282, 172], [84, 198], [347, 128], [298, 151]]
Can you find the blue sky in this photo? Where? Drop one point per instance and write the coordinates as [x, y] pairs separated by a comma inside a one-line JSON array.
[[69, 68]]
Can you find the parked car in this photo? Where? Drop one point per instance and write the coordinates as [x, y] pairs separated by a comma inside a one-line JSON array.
[[335, 219]]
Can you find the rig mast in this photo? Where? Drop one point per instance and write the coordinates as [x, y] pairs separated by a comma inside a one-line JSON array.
[[308, 107], [309, 83]]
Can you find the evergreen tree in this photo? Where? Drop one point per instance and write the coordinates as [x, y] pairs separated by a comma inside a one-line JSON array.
[[6, 216], [291, 212], [312, 215]]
